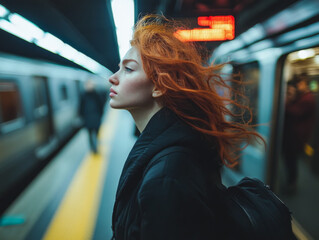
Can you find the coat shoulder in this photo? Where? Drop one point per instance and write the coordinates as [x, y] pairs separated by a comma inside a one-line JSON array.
[[181, 166], [171, 164]]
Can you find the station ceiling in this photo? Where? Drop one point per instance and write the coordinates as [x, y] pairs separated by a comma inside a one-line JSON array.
[[88, 25]]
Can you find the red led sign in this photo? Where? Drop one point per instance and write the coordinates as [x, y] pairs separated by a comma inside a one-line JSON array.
[[219, 28]]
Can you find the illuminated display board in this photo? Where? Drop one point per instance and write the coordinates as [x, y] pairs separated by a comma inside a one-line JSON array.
[[219, 28]]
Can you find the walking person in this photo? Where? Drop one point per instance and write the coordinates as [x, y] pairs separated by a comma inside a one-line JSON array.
[[91, 111], [165, 191]]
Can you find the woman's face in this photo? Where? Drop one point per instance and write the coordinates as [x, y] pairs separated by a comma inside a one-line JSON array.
[[131, 89]]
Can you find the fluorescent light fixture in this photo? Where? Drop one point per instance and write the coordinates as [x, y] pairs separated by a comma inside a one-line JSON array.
[[89, 63], [3, 11], [50, 43], [68, 52], [123, 13], [307, 53], [28, 31], [10, 28], [25, 26]]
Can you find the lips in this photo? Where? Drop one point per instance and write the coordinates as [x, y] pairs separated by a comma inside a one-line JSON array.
[[112, 92]]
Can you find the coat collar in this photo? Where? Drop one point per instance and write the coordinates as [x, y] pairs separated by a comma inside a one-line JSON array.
[[147, 145]]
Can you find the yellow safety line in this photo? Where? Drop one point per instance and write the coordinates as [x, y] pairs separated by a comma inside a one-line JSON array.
[[75, 219], [300, 233]]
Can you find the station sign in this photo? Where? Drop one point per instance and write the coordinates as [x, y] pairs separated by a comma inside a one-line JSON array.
[[217, 28]]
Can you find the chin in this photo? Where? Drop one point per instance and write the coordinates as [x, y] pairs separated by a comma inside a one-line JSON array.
[[112, 105], [115, 106]]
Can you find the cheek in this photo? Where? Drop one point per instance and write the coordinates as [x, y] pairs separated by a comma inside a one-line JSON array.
[[130, 87], [144, 87]]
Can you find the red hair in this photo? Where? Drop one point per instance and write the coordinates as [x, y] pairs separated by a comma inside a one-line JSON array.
[[189, 87]]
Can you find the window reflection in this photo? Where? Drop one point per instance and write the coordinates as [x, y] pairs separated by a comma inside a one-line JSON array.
[[250, 76], [63, 93], [10, 104]]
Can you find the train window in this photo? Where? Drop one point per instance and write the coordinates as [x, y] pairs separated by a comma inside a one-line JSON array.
[[78, 87], [10, 103], [39, 93], [250, 76], [298, 129], [63, 93]]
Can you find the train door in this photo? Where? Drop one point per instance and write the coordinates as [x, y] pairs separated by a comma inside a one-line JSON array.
[[298, 153], [42, 112]]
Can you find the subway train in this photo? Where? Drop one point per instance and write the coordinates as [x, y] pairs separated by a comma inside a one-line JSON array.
[[278, 61], [39, 104]]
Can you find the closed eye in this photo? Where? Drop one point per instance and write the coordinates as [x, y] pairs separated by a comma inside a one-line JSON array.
[[127, 69]]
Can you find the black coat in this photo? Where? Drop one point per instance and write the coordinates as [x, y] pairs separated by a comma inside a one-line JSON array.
[[91, 109], [168, 196]]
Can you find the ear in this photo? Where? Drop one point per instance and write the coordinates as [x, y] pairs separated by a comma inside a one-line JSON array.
[[156, 93]]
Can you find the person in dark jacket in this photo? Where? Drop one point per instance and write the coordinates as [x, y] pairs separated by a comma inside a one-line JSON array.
[[167, 189], [91, 111]]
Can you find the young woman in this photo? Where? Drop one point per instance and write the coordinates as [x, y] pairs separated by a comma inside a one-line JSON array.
[[166, 190]]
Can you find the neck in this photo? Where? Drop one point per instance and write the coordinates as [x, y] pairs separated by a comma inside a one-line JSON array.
[[142, 116]]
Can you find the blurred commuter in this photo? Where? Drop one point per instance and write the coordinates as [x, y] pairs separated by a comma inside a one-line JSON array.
[[91, 111], [298, 126], [167, 186]]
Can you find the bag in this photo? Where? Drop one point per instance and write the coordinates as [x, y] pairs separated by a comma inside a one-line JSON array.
[[256, 212], [251, 210]]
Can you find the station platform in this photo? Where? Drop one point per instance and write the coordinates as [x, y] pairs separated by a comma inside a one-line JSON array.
[[73, 196]]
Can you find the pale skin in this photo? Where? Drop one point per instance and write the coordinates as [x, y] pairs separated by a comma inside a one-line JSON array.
[[132, 90]]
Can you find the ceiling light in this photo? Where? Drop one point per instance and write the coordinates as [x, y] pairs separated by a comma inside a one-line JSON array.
[[3, 11], [11, 28], [308, 53], [28, 31], [123, 25], [25, 26], [50, 43], [68, 52]]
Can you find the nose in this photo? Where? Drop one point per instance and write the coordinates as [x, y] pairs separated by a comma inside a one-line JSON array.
[[113, 79]]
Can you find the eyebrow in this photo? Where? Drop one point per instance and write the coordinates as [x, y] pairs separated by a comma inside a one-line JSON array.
[[128, 60]]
